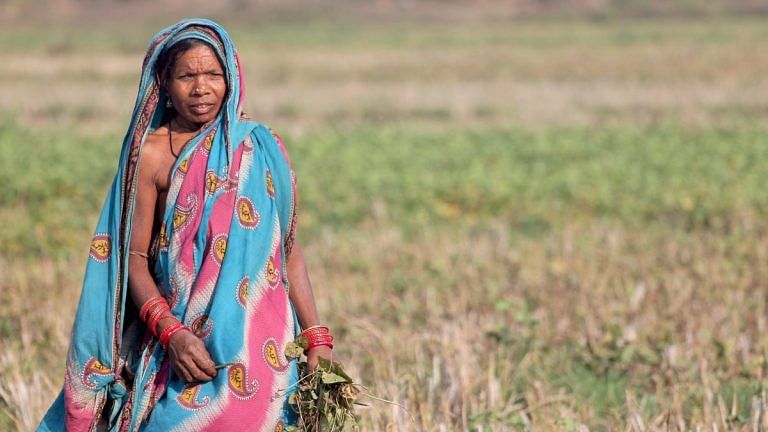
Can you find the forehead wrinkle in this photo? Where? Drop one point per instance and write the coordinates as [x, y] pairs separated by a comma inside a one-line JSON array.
[[199, 62]]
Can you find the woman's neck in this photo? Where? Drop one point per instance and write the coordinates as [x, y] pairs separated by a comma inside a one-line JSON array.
[[181, 125]]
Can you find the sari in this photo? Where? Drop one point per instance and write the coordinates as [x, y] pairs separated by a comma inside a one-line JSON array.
[[219, 259]]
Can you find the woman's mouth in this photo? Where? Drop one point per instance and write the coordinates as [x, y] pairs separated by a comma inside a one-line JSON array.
[[200, 109]]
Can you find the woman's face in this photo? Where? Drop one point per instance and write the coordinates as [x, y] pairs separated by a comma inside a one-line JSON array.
[[197, 86]]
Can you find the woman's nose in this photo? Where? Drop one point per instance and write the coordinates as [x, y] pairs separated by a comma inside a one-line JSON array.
[[200, 87]]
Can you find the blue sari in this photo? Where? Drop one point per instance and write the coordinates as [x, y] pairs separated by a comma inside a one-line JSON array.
[[219, 260]]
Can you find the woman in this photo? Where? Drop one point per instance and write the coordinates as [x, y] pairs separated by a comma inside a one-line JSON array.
[[186, 306]]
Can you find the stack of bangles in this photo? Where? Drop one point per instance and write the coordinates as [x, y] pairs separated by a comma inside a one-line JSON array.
[[316, 336], [155, 310]]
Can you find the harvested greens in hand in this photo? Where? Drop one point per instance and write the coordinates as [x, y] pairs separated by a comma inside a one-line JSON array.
[[325, 396]]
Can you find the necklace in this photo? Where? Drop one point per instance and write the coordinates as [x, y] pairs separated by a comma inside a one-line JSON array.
[[170, 140]]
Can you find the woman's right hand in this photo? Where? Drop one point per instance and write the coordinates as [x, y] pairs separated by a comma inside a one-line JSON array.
[[189, 357]]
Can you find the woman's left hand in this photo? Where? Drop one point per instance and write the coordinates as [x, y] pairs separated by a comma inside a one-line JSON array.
[[320, 351]]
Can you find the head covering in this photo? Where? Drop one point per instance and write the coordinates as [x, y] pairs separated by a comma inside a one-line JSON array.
[[224, 239]]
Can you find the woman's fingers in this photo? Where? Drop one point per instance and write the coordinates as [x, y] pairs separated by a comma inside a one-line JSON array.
[[189, 371], [204, 371], [202, 360], [192, 365], [182, 372], [199, 364], [200, 375], [191, 359], [205, 364]]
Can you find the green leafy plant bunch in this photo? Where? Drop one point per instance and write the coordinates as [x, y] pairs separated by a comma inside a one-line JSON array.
[[325, 396]]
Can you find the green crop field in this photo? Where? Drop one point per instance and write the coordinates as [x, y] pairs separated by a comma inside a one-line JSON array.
[[511, 224]]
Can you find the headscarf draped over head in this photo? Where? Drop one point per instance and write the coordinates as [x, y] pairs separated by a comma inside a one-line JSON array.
[[219, 261]]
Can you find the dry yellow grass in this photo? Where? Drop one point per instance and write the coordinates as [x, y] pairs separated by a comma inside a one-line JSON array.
[[452, 336], [535, 74]]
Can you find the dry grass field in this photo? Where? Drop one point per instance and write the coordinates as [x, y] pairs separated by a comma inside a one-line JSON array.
[[540, 223]]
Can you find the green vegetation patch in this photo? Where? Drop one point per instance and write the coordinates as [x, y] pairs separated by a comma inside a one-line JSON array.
[[413, 178], [53, 187], [533, 180]]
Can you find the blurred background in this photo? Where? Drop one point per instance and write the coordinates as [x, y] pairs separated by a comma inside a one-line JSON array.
[[518, 215]]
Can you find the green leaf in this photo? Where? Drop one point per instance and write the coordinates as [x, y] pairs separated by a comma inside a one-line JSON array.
[[332, 378], [332, 367], [302, 342]]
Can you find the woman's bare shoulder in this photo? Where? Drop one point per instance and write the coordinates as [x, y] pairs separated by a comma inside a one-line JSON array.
[[154, 150]]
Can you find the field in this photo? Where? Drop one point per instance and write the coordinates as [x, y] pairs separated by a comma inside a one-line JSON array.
[[552, 224]]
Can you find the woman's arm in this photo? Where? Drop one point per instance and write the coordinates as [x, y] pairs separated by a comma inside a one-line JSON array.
[[300, 291], [303, 300], [141, 286], [188, 355]]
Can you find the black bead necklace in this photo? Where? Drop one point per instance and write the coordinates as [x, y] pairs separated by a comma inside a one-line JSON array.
[[170, 140]]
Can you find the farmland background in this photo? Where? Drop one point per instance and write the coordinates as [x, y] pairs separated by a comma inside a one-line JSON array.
[[541, 215]]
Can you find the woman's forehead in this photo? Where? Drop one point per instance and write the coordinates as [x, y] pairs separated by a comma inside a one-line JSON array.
[[199, 56]]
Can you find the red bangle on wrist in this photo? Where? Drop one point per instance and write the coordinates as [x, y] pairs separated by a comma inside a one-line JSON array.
[[155, 313], [329, 344], [150, 304], [317, 336], [165, 336], [154, 323]]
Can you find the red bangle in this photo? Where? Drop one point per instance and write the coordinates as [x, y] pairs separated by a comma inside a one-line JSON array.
[[316, 340], [317, 336], [155, 314], [328, 343], [315, 329], [149, 304], [165, 336], [154, 320]]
